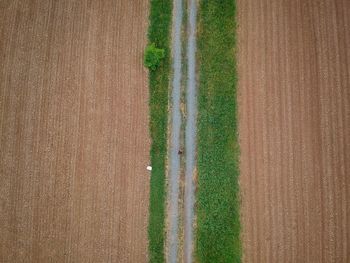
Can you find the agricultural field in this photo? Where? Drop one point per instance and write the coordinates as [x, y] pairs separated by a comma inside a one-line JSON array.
[[242, 120], [74, 136], [294, 128]]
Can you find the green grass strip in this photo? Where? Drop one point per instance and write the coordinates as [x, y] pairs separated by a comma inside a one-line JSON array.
[[218, 224], [158, 33]]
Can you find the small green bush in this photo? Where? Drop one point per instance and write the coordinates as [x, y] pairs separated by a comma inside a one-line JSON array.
[[153, 56]]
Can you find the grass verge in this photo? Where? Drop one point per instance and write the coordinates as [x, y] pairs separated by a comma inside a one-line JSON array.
[[218, 225], [158, 33]]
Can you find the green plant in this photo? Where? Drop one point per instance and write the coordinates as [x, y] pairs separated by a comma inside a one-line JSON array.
[[218, 224], [153, 56], [159, 34]]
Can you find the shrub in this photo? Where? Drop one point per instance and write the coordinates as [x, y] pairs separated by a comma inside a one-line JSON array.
[[153, 56]]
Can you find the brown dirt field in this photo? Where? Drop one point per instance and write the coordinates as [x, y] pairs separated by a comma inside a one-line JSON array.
[[74, 139], [294, 81]]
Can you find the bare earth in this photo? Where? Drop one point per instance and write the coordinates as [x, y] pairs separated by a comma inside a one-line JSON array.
[[73, 131], [294, 104]]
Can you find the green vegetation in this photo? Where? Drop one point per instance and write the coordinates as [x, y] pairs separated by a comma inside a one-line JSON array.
[[153, 56], [159, 34], [218, 225]]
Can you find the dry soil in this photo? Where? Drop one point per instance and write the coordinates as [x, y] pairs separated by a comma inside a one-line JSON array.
[[294, 84], [73, 131]]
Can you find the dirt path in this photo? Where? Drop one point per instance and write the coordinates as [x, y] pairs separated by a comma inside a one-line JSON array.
[[73, 131], [294, 104], [174, 166], [191, 132], [173, 252]]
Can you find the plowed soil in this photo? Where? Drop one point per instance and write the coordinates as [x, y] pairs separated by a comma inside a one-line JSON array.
[[73, 131], [294, 104]]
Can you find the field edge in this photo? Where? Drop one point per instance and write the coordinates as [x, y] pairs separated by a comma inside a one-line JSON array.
[[158, 33], [217, 199]]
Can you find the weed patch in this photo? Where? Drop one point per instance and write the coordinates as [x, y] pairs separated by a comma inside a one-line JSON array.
[[159, 34], [218, 224]]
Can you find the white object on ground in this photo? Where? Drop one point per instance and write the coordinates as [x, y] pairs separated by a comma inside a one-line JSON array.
[[149, 168]]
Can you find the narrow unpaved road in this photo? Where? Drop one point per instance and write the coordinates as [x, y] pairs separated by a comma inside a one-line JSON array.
[[191, 132], [174, 169], [190, 137]]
